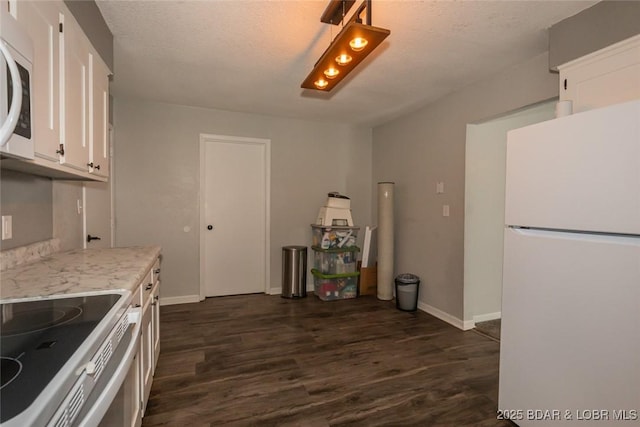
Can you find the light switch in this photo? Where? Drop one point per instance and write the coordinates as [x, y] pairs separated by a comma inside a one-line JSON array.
[[439, 187], [445, 210], [7, 227]]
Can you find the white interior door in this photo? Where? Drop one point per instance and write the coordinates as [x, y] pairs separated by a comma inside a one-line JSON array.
[[234, 215], [98, 210]]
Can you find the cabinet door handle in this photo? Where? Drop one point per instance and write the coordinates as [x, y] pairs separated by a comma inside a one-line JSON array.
[[157, 297], [156, 271], [90, 238], [149, 286], [137, 305], [97, 167], [90, 164], [60, 150]]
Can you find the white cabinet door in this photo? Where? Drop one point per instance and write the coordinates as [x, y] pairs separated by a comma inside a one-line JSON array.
[[41, 21], [99, 117], [608, 76], [146, 344], [75, 86], [155, 321]]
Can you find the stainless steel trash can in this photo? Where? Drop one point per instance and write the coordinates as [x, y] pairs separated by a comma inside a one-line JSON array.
[[407, 292], [294, 271]]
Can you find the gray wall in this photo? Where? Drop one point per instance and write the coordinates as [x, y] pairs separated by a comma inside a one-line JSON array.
[[428, 146], [41, 208], [67, 221], [604, 24], [157, 179], [29, 200]]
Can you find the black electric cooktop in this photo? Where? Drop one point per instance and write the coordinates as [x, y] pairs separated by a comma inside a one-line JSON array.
[[37, 338]]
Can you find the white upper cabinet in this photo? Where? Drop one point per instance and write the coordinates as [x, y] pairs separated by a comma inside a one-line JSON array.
[[605, 77], [71, 95], [41, 21]]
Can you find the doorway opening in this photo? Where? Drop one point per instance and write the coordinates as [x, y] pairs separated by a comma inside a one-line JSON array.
[[485, 168]]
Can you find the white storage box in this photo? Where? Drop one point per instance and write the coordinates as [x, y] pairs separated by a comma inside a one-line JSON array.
[[335, 200]]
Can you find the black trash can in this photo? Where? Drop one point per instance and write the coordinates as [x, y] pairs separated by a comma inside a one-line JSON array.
[[294, 271], [407, 292]]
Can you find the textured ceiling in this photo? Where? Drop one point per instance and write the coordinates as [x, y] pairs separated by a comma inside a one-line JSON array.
[[251, 56]]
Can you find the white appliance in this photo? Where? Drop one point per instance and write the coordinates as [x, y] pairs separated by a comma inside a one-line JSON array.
[[16, 69], [570, 338], [69, 360]]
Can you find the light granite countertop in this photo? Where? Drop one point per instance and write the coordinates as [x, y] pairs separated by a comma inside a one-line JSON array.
[[78, 271]]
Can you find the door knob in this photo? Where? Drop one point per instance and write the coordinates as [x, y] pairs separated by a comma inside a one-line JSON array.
[[209, 227], [90, 238]]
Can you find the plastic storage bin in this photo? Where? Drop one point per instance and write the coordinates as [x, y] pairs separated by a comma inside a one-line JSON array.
[[334, 237], [335, 261], [330, 287]]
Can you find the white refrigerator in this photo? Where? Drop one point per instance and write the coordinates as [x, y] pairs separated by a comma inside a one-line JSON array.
[[570, 338]]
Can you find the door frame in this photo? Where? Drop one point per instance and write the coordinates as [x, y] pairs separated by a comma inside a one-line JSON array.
[[207, 138]]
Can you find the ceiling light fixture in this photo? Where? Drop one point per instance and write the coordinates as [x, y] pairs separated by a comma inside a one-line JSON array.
[[350, 47]]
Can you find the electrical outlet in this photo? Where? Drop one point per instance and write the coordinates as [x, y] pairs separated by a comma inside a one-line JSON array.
[[7, 227], [439, 187], [445, 210]]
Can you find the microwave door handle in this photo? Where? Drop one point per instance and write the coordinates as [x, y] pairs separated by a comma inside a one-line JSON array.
[[102, 403], [16, 103]]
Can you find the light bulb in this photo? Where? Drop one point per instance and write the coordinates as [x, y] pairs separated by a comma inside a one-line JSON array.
[[331, 72], [343, 59], [358, 44], [321, 83]]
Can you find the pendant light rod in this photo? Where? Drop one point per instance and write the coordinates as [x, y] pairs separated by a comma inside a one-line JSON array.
[[335, 11], [356, 16]]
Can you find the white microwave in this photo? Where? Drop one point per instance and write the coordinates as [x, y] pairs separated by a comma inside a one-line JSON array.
[[16, 140]]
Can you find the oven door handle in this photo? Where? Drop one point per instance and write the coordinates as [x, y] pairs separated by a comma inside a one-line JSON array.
[[102, 403], [16, 103]]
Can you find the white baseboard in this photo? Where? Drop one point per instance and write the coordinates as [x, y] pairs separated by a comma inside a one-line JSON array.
[[452, 320], [186, 299], [487, 316]]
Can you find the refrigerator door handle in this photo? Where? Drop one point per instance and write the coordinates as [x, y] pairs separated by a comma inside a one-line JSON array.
[[628, 239]]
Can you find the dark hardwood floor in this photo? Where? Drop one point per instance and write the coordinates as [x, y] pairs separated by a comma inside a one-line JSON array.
[[259, 360]]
